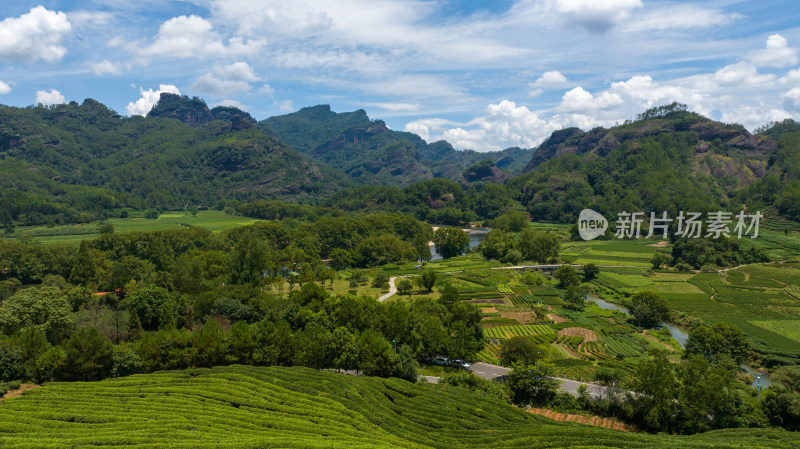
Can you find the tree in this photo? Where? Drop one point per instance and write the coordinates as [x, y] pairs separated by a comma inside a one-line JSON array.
[[449, 294], [89, 356], [152, 304], [511, 221], [496, 244], [590, 272], [657, 386], [345, 349], [539, 246], [658, 260], [533, 383], [405, 286], [380, 279], [649, 308], [404, 366], [566, 276], [249, 260], [209, 344], [427, 280], [782, 408], [44, 307], [106, 228], [84, 269], [575, 297], [375, 354], [450, 241], [518, 349], [718, 340]]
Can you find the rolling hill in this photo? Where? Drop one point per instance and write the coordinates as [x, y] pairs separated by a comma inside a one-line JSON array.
[[248, 407]]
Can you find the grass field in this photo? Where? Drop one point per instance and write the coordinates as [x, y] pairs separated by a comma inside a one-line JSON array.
[[256, 407], [212, 220]]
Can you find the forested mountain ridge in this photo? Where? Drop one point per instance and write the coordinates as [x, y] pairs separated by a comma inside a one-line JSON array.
[[370, 152], [152, 161], [668, 159]]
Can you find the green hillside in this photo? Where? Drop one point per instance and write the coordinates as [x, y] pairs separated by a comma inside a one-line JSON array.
[[187, 156], [668, 159], [246, 407], [371, 153]]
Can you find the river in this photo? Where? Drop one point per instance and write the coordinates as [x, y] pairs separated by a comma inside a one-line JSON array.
[[476, 236], [681, 336]]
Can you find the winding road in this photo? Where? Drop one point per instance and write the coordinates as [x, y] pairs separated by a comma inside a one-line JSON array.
[[392, 289], [488, 371]]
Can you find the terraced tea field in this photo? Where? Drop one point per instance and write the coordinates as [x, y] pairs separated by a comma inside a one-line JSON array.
[[256, 407]]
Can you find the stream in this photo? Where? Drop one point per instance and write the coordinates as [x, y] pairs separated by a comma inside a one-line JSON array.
[[681, 336]]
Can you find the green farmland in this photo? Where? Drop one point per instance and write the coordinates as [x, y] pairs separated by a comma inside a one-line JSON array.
[[212, 220], [252, 407]]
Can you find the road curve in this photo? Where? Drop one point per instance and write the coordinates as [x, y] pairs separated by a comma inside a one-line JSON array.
[[392, 289]]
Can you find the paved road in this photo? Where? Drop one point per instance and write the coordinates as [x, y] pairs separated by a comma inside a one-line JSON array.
[[488, 371], [392, 289]]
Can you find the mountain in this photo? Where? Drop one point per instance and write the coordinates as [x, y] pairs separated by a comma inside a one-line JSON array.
[[368, 151], [181, 154], [668, 159]]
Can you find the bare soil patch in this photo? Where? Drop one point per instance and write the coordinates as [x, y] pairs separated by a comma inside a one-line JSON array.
[[18, 392], [587, 334], [661, 244], [521, 316], [556, 318], [488, 310], [597, 421]]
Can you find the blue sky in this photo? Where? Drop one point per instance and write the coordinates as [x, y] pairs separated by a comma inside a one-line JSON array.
[[482, 75]]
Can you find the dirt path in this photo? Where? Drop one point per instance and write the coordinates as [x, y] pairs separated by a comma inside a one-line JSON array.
[[608, 423], [18, 392]]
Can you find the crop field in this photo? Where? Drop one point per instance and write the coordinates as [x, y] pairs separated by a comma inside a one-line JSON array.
[[787, 328], [248, 407], [212, 220], [513, 331], [677, 287]]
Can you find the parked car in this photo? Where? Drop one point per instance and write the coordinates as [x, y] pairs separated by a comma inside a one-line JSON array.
[[459, 363], [441, 360]]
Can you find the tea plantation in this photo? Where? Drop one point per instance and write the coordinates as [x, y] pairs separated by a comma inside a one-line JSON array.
[[256, 407]]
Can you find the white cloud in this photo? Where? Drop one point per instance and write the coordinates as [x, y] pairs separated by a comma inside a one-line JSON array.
[[791, 99], [408, 107], [285, 105], [550, 79], [232, 103], [149, 98], [597, 16], [227, 79], [35, 35], [5, 87], [105, 67], [193, 37], [791, 78], [579, 100], [741, 74], [777, 54], [49, 98], [678, 17], [266, 89], [503, 125]]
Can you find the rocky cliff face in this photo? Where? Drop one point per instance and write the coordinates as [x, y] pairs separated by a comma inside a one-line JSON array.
[[192, 111]]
